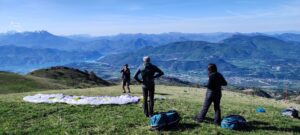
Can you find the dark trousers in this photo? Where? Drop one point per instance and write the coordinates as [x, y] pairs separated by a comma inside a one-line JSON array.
[[125, 82], [148, 91], [211, 97]]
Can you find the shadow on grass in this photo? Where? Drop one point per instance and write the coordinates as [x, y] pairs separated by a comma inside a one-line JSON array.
[[156, 93], [163, 94], [185, 126], [181, 127], [209, 120], [259, 125], [206, 120]]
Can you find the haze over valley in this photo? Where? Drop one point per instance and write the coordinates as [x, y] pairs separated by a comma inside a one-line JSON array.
[[247, 59]]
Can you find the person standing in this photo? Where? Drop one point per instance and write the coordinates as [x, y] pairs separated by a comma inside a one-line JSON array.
[[148, 72], [213, 94], [125, 78]]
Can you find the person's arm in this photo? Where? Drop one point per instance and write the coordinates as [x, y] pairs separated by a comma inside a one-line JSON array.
[[224, 82], [136, 75], [129, 73], [210, 82], [159, 72]]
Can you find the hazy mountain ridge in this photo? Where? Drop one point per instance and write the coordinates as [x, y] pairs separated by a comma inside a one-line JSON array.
[[267, 60], [163, 38], [111, 44], [39, 39], [251, 54], [288, 37], [67, 49], [107, 46], [117, 43], [263, 46], [18, 56], [236, 47]]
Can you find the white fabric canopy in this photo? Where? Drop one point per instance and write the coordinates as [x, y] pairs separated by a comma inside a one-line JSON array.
[[81, 100]]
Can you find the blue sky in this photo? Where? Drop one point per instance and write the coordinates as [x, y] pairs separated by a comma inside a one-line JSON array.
[[108, 17]]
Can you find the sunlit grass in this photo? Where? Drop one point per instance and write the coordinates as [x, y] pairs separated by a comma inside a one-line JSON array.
[[18, 117]]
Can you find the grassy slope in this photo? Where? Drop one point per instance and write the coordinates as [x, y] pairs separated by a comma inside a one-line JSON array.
[[70, 77], [26, 118], [14, 83]]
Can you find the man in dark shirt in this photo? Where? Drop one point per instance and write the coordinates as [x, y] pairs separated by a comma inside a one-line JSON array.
[[213, 94], [148, 72], [125, 78]]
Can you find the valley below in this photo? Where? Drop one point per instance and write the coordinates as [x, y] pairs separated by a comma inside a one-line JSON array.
[[247, 60]]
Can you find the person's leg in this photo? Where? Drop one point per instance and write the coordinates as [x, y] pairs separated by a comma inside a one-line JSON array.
[[123, 86], [208, 100], [128, 84], [151, 97], [217, 108], [145, 103]]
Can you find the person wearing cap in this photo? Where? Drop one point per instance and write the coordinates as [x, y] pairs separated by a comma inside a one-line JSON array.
[[125, 78], [148, 72]]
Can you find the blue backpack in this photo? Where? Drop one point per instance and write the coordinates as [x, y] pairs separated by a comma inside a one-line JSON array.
[[233, 122], [260, 110], [164, 120]]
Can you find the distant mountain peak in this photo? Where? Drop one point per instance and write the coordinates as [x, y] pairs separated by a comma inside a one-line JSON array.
[[10, 32], [41, 32], [250, 37], [27, 32], [191, 42], [39, 39]]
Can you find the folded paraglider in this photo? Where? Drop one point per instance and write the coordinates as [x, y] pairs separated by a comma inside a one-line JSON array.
[[81, 100]]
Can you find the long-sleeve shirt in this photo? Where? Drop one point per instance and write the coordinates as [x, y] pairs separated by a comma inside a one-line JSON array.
[[149, 73], [216, 81], [125, 74]]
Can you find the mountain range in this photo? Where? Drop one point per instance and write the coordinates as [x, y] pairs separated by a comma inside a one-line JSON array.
[[22, 56], [253, 55], [39, 39], [239, 47], [118, 43], [253, 60]]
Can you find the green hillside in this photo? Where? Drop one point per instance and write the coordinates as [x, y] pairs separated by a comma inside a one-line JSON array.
[[47, 79], [19, 117], [70, 77], [237, 47], [14, 83]]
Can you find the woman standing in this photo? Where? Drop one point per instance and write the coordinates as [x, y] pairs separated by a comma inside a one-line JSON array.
[[213, 94]]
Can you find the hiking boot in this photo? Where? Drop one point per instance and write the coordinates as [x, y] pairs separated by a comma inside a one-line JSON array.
[[217, 124]]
